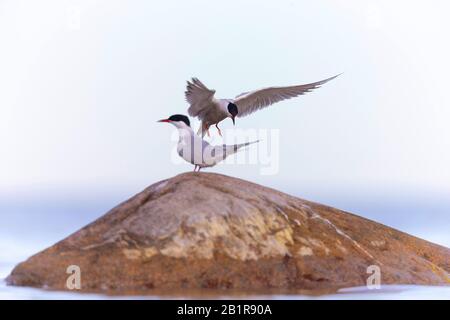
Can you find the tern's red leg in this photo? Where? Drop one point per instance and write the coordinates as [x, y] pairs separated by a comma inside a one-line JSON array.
[[218, 129], [205, 128]]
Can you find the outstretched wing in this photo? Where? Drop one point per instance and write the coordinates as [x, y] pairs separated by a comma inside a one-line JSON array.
[[198, 96], [250, 102]]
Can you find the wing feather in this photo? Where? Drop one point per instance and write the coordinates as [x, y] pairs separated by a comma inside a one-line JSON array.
[[250, 102], [198, 96]]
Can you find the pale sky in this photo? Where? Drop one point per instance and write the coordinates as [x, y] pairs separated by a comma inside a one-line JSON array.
[[79, 99]]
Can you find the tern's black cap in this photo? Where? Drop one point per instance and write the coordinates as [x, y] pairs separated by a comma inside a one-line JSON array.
[[180, 117], [232, 109]]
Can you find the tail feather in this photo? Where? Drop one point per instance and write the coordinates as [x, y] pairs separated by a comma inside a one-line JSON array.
[[241, 145], [236, 147]]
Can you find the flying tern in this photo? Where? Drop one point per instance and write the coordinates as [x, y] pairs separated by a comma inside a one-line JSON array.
[[210, 111]]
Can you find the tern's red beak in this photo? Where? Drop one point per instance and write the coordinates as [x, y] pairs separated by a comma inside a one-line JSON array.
[[164, 120]]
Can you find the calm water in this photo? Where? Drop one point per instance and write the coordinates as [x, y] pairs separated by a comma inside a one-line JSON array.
[[397, 292]]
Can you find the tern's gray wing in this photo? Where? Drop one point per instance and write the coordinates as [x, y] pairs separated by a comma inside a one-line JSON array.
[[250, 102], [198, 96], [215, 154], [192, 147]]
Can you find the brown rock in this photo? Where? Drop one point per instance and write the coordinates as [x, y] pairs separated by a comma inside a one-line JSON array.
[[204, 230]]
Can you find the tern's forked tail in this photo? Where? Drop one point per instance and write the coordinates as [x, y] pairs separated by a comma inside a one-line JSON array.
[[236, 147]]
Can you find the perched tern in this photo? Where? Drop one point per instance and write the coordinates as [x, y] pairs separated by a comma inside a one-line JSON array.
[[210, 111], [197, 151]]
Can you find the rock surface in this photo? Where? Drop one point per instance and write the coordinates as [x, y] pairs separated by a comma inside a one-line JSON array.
[[204, 230]]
